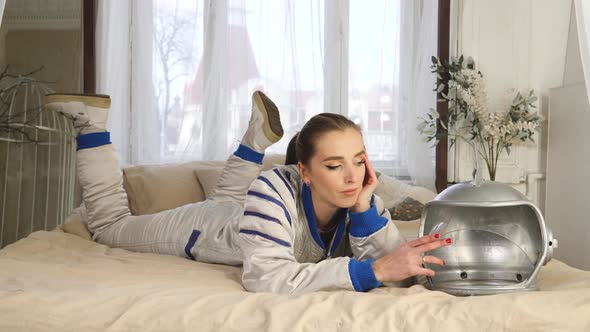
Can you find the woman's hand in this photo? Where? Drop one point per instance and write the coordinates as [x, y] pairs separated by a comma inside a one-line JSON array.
[[406, 261], [370, 182]]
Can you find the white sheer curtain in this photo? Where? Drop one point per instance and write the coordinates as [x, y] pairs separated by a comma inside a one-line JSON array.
[[113, 68], [181, 73], [123, 71], [582, 9], [237, 47], [419, 37], [390, 83]]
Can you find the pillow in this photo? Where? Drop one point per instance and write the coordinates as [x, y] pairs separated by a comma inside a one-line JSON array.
[[208, 176], [391, 190], [409, 209], [75, 223], [156, 188]]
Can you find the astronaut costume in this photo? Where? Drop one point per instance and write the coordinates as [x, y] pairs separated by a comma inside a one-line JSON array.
[[264, 221]]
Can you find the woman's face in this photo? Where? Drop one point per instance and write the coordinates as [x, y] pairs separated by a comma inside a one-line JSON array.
[[336, 172]]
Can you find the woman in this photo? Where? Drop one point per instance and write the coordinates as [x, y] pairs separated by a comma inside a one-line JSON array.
[[282, 225], [302, 223]]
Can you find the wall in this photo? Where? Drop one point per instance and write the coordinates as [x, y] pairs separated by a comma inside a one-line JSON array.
[[568, 181], [44, 33], [54, 50], [517, 44], [573, 72]]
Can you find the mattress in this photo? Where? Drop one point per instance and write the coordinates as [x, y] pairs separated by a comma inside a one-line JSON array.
[[54, 281]]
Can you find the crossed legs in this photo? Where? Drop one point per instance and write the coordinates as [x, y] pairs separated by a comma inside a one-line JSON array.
[[204, 231]]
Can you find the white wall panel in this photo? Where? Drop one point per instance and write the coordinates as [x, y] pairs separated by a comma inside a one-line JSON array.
[[518, 45]]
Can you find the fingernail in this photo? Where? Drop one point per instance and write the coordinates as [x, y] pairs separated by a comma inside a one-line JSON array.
[[444, 263], [436, 236], [449, 241]]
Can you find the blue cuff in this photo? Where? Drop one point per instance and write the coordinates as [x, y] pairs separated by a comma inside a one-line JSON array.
[[92, 140], [248, 154], [362, 275], [363, 224]]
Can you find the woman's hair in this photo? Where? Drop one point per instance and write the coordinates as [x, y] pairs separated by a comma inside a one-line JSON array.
[[302, 145]]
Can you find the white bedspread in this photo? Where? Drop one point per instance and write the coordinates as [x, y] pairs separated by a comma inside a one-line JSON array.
[[52, 281]]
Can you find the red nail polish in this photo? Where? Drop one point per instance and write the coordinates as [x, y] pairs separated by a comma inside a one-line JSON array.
[[449, 241], [436, 236], [444, 263]]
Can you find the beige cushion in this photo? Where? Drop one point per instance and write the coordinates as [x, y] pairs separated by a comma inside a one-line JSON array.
[[75, 223], [156, 188], [208, 178], [76, 227], [209, 172]]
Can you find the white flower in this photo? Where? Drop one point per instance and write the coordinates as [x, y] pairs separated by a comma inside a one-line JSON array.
[[471, 119]]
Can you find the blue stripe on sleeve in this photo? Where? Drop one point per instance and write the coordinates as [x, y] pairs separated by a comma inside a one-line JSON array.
[[271, 199], [284, 181], [265, 180], [362, 275], [363, 224], [93, 140], [191, 242], [263, 216], [266, 236]]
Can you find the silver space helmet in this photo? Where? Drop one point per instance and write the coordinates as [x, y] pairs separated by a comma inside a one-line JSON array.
[[500, 240]]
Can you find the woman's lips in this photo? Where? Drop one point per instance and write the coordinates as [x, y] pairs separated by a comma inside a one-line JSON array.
[[350, 192]]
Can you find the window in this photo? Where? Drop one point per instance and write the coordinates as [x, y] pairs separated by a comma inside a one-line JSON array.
[[209, 56]]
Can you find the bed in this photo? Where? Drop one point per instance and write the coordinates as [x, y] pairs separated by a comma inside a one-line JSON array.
[[61, 280]]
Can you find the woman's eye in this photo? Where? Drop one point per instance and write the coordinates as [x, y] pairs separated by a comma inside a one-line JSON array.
[[360, 162], [330, 167]]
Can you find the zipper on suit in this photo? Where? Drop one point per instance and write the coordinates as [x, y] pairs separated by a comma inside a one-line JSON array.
[[329, 249]]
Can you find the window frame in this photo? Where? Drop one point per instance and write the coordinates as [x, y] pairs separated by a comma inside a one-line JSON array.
[[444, 13]]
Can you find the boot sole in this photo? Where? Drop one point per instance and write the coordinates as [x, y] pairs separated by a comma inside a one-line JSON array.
[[272, 127], [93, 100]]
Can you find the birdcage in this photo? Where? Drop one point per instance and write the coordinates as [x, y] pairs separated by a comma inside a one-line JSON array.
[[37, 160]]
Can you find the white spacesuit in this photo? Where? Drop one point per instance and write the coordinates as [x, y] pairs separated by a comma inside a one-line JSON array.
[[263, 221]]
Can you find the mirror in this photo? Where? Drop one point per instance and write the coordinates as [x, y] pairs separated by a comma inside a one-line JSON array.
[[42, 41]]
